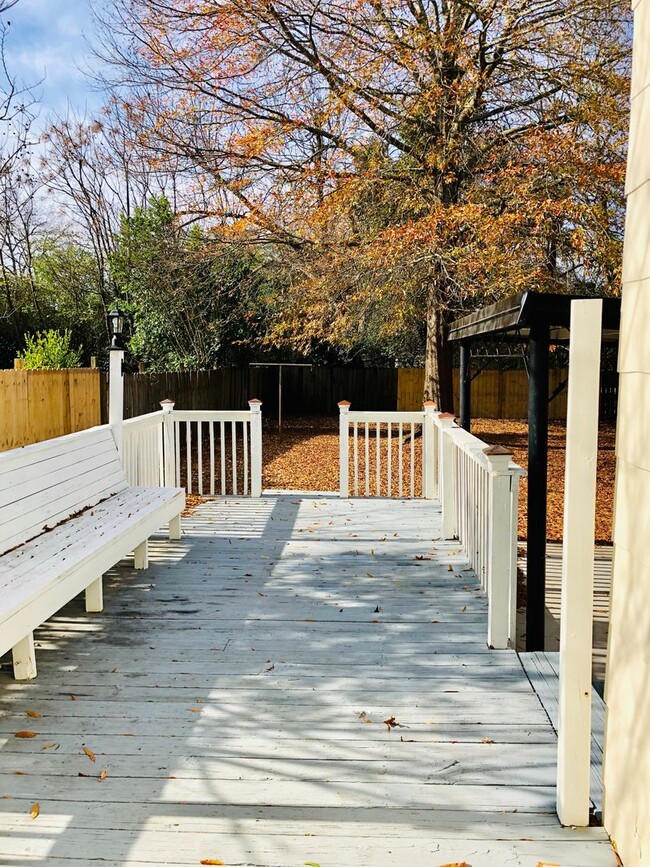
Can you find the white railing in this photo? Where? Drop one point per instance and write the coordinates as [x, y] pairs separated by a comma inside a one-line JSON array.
[[479, 493], [210, 453], [142, 451], [386, 454]]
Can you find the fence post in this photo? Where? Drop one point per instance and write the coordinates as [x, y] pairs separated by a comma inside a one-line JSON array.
[[116, 397], [447, 481], [429, 457], [256, 447], [500, 542], [169, 445], [344, 448]]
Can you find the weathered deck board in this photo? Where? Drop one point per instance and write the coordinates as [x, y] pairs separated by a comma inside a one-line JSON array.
[[227, 692]]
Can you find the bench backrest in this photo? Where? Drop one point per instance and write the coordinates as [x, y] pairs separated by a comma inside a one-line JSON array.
[[42, 485]]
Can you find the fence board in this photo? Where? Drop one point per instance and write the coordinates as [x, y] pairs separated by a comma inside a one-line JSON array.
[[38, 405]]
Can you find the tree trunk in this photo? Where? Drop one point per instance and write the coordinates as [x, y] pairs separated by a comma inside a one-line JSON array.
[[438, 370]]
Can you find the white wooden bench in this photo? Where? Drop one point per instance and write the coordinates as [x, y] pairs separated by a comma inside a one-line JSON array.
[[67, 515]]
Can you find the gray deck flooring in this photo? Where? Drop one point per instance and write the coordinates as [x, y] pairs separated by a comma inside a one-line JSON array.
[[235, 696]]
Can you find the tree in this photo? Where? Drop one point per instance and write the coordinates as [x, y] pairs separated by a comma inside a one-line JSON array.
[[296, 113]]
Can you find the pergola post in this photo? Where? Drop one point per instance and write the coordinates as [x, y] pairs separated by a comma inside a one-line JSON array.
[[537, 484], [465, 386], [576, 615]]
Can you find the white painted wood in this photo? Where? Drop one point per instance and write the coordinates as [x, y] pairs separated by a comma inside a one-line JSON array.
[[222, 696], [445, 422], [344, 449], [222, 443], [428, 451], [169, 444], [95, 595], [498, 545], [141, 555], [24, 658], [576, 617], [116, 397], [175, 528], [256, 447]]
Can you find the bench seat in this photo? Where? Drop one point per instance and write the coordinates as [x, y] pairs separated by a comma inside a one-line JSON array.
[[58, 557]]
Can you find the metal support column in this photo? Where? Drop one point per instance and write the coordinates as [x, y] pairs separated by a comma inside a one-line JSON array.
[[465, 386], [537, 485]]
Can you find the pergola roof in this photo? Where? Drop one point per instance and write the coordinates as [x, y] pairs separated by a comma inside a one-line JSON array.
[[513, 316]]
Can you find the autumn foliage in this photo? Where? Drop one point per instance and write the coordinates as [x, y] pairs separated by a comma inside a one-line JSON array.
[[400, 159]]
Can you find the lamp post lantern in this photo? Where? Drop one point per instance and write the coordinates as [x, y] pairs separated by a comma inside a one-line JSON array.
[[115, 378]]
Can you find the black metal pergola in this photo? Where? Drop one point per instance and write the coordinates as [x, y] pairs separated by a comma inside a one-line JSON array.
[[535, 321]]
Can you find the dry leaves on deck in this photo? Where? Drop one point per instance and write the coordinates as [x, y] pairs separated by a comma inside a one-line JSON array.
[[25, 735], [211, 861], [90, 754], [35, 811]]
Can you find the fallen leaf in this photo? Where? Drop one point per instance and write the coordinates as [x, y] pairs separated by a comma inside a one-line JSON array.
[[391, 723], [102, 775], [450, 568], [311, 864], [33, 714], [113, 670], [25, 734], [52, 746], [211, 861], [73, 698], [195, 709], [455, 864], [35, 811], [375, 621], [377, 610], [464, 608], [19, 773], [421, 557], [547, 864], [487, 741], [90, 754]]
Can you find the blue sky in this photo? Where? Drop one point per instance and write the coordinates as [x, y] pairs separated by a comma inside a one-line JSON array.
[[47, 39]]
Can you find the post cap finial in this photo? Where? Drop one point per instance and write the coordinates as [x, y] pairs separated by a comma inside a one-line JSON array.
[[496, 451], [430, 403], [167, 402], [255, 400], [344, 403], [446, 415]]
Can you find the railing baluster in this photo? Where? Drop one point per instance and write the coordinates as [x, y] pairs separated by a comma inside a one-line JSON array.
[[367, 462], [400, 469], [245, 436], [389, 462], [234, 457], [378, 456], [412, 460], [188, 455], [212, 467], [355, 452], [177, 452], [222, 442], [199, 460]]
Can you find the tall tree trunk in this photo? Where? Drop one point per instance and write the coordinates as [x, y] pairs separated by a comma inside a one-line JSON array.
[[438, 370]]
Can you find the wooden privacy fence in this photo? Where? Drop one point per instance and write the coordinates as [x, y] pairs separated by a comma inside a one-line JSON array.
[[504, 393], [39, 405]]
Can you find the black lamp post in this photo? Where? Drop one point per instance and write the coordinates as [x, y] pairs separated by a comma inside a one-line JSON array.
[[116, 321]]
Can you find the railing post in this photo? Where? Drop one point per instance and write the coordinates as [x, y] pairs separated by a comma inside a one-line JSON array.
[[169, 445], [344, 448], [256, 447], [116, 398], [576, 613], [500, 541], [429, 458], [446, 479]]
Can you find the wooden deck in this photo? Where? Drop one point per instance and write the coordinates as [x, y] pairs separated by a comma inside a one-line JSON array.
[[235, 696]]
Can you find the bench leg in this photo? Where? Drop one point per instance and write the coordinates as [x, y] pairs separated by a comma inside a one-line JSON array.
[[24, 658], [95, 595], [141, 555], [175, 528]]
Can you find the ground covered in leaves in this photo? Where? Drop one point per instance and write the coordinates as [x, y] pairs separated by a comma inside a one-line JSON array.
[[305, 457]]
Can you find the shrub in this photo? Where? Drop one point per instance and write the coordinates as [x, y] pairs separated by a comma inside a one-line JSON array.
[[50, 350]]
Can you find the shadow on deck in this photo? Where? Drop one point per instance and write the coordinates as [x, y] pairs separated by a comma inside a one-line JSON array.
[[301, 679]]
